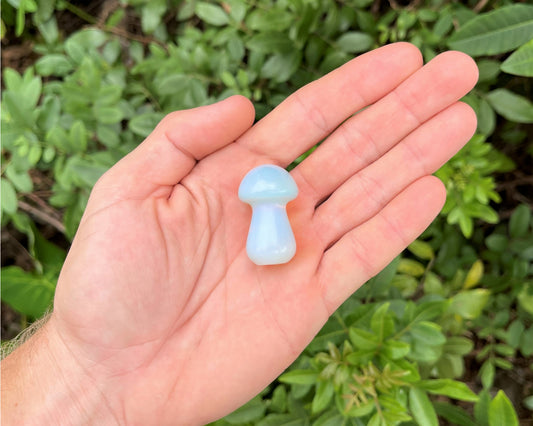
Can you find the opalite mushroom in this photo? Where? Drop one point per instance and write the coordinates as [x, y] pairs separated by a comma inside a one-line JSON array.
[[268, 189]]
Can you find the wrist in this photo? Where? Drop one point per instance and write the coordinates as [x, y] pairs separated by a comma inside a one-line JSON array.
[[42, 383]]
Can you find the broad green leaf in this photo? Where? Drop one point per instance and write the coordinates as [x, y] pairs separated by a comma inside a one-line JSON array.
[[474, 275], [108, 95], [331, 417], [521, 61], [454, 414], [299, 377], [20, 179], [143, 124], [323, 395], [108, 114], [469, 304], [449, 387], [78, 136], [8, 197], [19, 112], [481, 408], [363, 339], [274, 19], [151, 15], [525, 297], [528, 403], [498, 31], [281, 66], [28, 293], [520, 220], [497, 242], [411, 267], [355, 42], [501, 411], [108, 135], [428, 333], [511, 106], [283, 420], [526, 343], [381, 322], [458, 345], [396, 349], [249, 412], [53, 64], [278, 402], [421, 249], [421, 408], [269, 43], [211, 13]]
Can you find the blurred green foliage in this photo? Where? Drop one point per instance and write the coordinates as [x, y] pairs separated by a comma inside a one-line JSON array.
[[461, 294]]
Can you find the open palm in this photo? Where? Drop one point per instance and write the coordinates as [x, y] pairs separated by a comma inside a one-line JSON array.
[[158, 302]]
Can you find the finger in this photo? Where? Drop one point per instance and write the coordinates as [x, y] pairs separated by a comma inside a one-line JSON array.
[[369, 134], [311, 113], [364, 251], [421, 153], [180, 140]]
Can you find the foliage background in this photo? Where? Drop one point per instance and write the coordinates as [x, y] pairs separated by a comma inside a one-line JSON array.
[[444, 335]]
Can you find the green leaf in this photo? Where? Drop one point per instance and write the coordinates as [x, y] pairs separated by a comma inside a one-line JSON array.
[[396, 349], [54, 64], [526, 343], [411, 267], [469, 304], [486, 373], [270, 42], [458, 345], [449, 387], [8, 197], [498, 31], [281, 66], [511, 106], [299, 377], [421, 249], [20, 179], [211, 13], [519, 222], [249, 412], [78, 136], [108, 114], [28, 293], [143, 124], [274, 19], [501, 411], [324, 394], [355, 42], [362, 339], [428, 333], [421, 408], [455, 415], [381, 322], [108, 95], [481, 408], [151, 15], [521, 61], [474, 275]]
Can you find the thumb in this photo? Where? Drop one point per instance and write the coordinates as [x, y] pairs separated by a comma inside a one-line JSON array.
[[171, 151]]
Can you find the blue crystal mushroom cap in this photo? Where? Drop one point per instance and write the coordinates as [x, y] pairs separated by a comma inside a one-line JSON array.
[[268, 183]]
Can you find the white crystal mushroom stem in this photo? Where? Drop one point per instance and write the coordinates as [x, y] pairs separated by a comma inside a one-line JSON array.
[[268, 189]]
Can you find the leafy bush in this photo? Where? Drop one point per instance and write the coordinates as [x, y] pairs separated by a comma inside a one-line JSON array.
[[426, 339]]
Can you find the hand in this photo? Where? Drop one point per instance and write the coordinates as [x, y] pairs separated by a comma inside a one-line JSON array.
[[159, 310]]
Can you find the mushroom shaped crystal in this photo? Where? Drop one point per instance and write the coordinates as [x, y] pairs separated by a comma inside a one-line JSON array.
[[268, 189]]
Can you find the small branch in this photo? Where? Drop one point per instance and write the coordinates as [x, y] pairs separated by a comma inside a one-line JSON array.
[[480, 5], [42, 216]]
